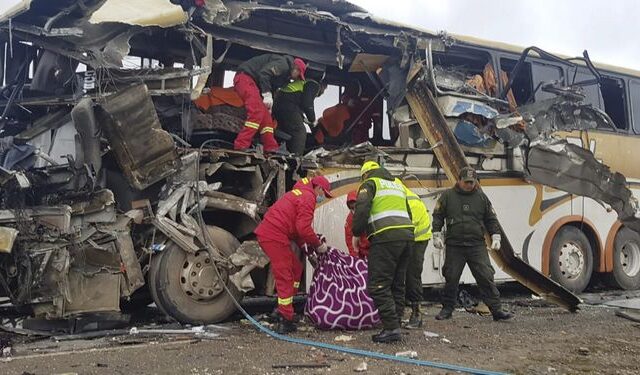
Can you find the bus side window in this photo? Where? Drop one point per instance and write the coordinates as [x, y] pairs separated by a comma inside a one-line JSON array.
[[522, 86], [634, 90], [545, 73], [591, 92], [613, 95]]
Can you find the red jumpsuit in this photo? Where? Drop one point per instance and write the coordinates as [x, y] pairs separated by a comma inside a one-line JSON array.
[[258, 116], [363, 251], [367, 117], [289, 219]]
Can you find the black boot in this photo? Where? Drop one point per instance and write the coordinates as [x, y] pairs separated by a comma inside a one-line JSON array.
[[415, 320], [445, 313], [387, 336], [501, 315], [284, 326]]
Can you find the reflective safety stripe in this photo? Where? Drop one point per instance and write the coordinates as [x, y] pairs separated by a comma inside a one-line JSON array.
[[296, 192], [295, 86], [386, 193], [285, 301], [266, 129], [413, 197], [389, 207], [385, 214], [305, 180], [423, 232], [251, 125], [296, 284]]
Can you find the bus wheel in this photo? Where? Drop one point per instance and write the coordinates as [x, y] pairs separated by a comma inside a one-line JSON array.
[[188, 287], [626, 260], [571, 259]]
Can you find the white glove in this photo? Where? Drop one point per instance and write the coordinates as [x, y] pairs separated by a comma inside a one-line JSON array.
[[267, 99], [323, 248], [438, 240], [496, 240]]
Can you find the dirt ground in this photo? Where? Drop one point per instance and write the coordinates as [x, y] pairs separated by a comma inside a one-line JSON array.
[[540, 340]]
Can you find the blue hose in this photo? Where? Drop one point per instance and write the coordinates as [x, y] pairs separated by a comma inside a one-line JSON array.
[[366, 353]]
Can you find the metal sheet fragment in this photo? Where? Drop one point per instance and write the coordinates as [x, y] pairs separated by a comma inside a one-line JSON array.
[[160, 13]]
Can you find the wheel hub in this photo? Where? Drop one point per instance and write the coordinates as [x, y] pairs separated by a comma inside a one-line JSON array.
[[199, 279], [630, 259], [571, 260]]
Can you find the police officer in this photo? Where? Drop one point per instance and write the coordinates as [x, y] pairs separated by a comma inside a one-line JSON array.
[[422, 232], [468, 214], [294, 101], [382, 212]]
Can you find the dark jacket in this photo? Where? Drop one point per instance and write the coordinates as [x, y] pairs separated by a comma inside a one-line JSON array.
[[300, 101], [366, 193], [468, 216], [269, 71]]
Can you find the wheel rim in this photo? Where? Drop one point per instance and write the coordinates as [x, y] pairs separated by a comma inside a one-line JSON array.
[[630, 259], [571, 260], [199, 279]]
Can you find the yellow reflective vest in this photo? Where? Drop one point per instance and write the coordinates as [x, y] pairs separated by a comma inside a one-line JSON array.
[[419, 215], [388, 208]]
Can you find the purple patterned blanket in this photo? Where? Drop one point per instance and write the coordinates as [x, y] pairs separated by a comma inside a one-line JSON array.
[[338, 297]]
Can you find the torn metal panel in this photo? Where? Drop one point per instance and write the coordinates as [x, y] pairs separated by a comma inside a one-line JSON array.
[[546, 117], [99, 208], [88, 137], [243, 23], [452, 159], [15, 10], [92, 293], [50, 121], [223, 201], [140, 12], [146, 153], [206, 63], [133, 277], [573, 169], [53, 217], [159, 81], [248, 256], [7, 238], [184, 241]]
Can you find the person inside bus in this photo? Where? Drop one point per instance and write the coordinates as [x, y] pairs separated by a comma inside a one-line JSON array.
[[467, 211], [255, 81], [365, 110], [292, 103]]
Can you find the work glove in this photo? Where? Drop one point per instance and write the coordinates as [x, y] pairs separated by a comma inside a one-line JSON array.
[[496, 240], [323, 248], [438, 240], [267, 99]]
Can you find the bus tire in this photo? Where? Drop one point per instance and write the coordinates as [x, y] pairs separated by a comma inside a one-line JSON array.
[[571, 259], [200, 298], [626, 260]]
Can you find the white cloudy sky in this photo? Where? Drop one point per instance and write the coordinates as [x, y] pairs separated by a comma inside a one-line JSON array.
[[608, 29]]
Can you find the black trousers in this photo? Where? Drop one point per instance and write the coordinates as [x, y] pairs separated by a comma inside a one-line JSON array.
[[386, 285], [414, 272], [292, 123], [477, 257]]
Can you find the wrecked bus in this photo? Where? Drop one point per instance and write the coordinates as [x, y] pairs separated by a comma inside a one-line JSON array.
[[119, 185]]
